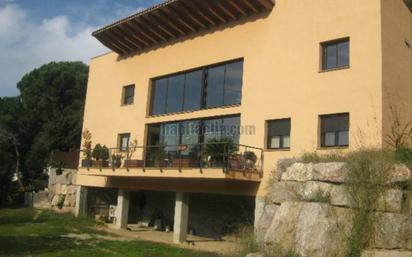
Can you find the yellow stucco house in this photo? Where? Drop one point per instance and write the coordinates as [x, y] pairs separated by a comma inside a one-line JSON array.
[[199, 99]]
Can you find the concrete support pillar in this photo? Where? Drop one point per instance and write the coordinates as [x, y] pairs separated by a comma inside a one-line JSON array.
[[81, 202], [181, 217], [122, 209]]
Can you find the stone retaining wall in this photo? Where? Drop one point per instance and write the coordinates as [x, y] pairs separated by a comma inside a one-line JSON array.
[[62, 190], [308, 210]]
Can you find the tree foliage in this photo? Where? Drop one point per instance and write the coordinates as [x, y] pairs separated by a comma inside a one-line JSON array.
[[409, 3], [46, 116]]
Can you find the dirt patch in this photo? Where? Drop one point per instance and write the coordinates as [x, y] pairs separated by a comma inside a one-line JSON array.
[[85, 236], [222, 246]]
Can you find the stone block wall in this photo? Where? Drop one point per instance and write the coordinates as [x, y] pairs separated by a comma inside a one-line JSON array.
[[307, 209], [62, 190]]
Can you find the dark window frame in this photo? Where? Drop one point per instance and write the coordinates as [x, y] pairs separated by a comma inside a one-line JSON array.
[[120, 140], [125, 97], [204, 86], [281, 137], [322, 134], [336, 42]]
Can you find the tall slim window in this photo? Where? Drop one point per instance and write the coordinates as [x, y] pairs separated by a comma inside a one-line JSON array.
[[207, 87], [193, 90], [224, 84], [128, 94], [175, 91], [278, 134], [123, 141], [335, 54], [334, 130], [159, 91]]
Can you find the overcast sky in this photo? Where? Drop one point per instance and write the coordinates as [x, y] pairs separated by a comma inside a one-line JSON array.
[[35, 32]]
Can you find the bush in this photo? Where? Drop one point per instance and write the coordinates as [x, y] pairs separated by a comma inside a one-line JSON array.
[[278, 251], [100, 153], [246, 239], [218, 148], [403, 155], [368, 173], [316, 158]]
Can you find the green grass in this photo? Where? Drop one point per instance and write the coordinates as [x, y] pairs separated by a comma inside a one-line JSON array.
[[29, 232]]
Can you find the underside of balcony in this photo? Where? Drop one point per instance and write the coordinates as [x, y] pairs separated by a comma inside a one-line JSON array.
[[187, 173]]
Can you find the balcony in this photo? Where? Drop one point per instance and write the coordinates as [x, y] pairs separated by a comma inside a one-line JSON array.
[[188, 161]]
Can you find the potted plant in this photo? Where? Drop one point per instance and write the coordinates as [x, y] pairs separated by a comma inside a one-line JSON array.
[[250, 158], [155, 156], [101, 155], [130, 161], [219, 150], [236, 161], [117, 160], [87, 148]]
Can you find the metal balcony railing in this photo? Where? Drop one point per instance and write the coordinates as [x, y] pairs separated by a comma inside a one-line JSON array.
[[221, 155]]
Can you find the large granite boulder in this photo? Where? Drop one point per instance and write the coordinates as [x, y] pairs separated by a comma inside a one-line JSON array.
[[320, 231], [313, 190], [311, 229], [301, 172], [284, 191], [392, 231], [282, 230], [400, 173], [70, 200], [66, 178], [58, 200], [282, 166], [334, 172], [264, 222]]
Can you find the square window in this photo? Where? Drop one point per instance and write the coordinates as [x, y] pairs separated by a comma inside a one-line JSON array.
[[278, 132], [335, 54], [334, 130], [123, 141], [128, 95]]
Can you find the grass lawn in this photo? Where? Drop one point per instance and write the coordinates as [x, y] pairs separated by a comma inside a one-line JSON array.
[[29, 232]]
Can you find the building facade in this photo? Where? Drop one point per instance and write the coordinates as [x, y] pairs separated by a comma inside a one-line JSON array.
[[203, 97]]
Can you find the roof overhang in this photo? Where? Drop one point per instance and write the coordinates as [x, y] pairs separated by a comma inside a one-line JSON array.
[[174, 20]]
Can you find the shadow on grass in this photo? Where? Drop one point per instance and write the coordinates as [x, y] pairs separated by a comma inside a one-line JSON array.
[[35, 245]]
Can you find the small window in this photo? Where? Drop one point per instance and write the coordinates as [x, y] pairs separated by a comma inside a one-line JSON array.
[[128, 95], [335, 54], [278, 134], [123, 141], [334, 130]]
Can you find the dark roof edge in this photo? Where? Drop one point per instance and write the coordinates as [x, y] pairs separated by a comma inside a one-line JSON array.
[[150, 9]]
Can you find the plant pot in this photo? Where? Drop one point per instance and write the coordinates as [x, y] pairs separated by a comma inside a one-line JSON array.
[[87, 163], [161, 164], [117, 163], [133, 163], [185, 163], [100, 163]]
